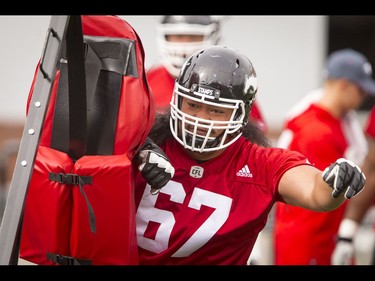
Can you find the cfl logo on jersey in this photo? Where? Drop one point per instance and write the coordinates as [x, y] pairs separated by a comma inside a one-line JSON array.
[[244, 172], [196, 172]]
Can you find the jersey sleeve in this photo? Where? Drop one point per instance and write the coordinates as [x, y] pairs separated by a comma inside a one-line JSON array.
[[281, 160]]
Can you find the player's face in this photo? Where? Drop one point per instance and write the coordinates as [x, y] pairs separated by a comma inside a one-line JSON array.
[[357, 95], [207, 112], [184, 38]]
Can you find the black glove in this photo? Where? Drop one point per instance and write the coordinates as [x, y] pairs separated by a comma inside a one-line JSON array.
[[344, 176], [154, 166]]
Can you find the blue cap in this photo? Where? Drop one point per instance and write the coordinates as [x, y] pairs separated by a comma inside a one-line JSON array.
[[352, 65]]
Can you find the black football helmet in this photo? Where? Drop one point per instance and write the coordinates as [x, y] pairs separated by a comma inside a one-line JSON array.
[[219, 76], [174, 54]]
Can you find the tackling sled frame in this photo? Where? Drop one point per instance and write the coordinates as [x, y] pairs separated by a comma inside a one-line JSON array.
[[10, 228]]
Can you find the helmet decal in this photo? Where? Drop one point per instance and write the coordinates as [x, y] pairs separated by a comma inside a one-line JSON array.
[[251, 85]]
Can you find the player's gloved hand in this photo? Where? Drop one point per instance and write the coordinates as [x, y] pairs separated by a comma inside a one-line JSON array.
[[344, 176], [343, 254], [154, 166]]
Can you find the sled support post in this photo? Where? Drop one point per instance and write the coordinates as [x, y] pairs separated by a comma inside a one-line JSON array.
[[10, 227]]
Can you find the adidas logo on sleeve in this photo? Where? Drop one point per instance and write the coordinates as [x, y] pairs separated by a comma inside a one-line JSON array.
[[244, 172]]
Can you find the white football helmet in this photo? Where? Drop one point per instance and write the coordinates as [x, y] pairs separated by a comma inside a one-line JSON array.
[[174, 54]]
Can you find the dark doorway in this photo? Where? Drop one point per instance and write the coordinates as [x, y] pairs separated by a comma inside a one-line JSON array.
[[356, 32]]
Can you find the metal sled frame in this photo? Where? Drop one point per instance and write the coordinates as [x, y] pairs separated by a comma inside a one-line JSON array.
[[12, 220]]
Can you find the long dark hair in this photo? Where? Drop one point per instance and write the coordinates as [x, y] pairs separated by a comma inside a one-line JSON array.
[[161, 131]]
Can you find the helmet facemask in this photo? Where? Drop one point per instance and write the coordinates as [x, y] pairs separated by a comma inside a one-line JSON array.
[[194, 133]]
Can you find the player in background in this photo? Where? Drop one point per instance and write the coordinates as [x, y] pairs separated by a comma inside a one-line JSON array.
[[323, 127], [227, 177], [178, 37], [344, 253]]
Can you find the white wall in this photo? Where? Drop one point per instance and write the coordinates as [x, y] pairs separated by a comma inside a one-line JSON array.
[[20, 48], [287, 53]]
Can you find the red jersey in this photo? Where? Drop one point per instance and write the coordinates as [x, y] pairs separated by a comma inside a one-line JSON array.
[[370, 129], [162, 85], [303, 237], [370, 123], [210, 213]]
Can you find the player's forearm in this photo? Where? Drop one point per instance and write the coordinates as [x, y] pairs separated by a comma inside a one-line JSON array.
[[309, 188], [304, 186], [323, 198]]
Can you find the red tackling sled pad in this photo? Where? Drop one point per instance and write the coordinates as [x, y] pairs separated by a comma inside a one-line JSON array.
[[80, 210]]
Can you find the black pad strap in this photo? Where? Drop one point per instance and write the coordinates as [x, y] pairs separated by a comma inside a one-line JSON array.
[[69, 132], [60, 129], [107, 61], [69, 178], [77, 89], [74, 179], [103, 114], [66, 260]]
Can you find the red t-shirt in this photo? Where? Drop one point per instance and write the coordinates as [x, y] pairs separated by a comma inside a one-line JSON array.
[[210, 213], [162, 84], [370, 128], [304, 237], [370, 123]]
